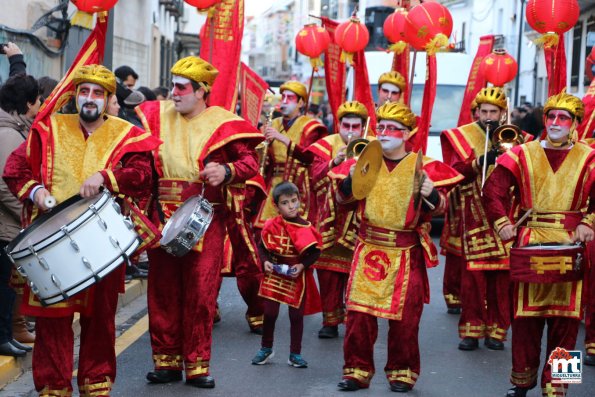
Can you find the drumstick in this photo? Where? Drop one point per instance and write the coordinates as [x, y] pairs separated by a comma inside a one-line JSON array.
[[522, 219], [49, 202]]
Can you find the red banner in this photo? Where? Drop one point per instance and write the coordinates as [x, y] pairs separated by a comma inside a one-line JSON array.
[[587, 127], [476, 80], [555, 63], [334, 70], [401, 65], [223, 32], [427, 105], [362, 91], [90, 53], [253, 89]]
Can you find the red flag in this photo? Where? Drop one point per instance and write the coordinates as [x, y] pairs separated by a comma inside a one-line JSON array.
[[227, 24], [427, 105], [362, 91], [90, 53], [334, 70], [476, 80], [555, 63], [253, 89], [587, 127], [401, 65]]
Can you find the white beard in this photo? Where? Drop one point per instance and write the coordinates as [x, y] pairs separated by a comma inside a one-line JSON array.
[[390, 143]]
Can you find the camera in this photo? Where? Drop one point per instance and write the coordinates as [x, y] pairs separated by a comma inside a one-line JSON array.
[[2, 50]]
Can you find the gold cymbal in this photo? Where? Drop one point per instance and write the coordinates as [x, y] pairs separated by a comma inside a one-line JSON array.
[[366, 170]]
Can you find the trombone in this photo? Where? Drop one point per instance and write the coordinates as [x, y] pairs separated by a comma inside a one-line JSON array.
[[355, 147]]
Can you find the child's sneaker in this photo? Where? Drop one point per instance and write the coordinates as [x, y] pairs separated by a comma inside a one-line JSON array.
[[263, 356], [296, 360]]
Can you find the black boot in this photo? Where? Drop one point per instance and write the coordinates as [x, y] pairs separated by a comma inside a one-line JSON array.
[[20, 346], [493, 344], [453, 310], [399, 387], [204, 382], [517, 391], [348, 385], [7, 349], [469, 344], [589, 359], [328, 332], [164, 376]]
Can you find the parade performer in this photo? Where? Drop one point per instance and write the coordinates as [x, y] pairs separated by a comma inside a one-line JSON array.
[[390, 87], [286, 156], [240, 259], [451, 243], [63, 156], [484, 276], [208, 151], [554, 179], [388, 276], [289, 247], [335, 223]]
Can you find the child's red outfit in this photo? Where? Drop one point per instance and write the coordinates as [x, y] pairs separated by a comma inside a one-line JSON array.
[[289, 242]]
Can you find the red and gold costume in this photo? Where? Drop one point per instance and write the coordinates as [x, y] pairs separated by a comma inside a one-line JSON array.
[[392, 252], [388, 276], [290, 163], [451, 248], [484, 256], [241, 258], [61, 155], [182, 292], [557, 184]]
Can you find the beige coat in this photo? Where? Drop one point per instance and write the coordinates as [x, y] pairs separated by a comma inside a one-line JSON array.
[[13, 132]]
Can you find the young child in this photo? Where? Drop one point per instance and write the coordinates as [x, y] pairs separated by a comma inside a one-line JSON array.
[[289, 246]]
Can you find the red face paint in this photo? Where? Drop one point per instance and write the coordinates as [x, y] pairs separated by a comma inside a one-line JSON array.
[[558, 117], [390, 130], [182, 89]]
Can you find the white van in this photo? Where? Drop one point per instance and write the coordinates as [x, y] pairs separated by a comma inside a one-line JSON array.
[[453, 71]]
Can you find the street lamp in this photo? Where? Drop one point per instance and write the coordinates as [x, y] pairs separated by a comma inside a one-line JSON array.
[[518, 55]]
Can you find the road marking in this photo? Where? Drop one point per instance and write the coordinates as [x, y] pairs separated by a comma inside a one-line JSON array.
[[129, 336]]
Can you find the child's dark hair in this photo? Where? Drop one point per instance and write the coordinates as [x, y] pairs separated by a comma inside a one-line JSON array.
[[18, 91], [286, 188]]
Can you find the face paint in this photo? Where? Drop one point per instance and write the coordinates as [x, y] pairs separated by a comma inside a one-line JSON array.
[[181, 86], [289, 102], [350, 127], [558, 124], [388, 92], [90, 101], [390, 143], [390, 134]]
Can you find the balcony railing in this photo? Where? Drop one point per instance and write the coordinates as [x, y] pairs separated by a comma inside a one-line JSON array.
[[174, 7]]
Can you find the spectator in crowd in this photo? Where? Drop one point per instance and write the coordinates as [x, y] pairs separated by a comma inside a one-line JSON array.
[[15, 59], [528, 122], [148, 93], [19, 104], [46, 86], [126, 76], [161, 93]]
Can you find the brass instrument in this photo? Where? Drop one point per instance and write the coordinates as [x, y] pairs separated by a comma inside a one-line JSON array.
[[355, 147], [265, 144], [506, 137], [366, 169], [484, 169]]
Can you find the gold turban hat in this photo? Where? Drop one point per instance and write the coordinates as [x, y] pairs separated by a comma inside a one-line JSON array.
[[492, 95], [95, 74], [197, 70], [393, 77], [398, 112], [564, 101], [296, 87], [352, 107]]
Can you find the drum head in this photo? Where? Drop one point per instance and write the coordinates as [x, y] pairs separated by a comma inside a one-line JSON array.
[[179, 220], [50, 222]]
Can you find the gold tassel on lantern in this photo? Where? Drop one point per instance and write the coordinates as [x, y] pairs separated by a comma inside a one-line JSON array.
[[548, 40], [316, 63], [82, 19], [398, 47], [346, 57], [436, 44]]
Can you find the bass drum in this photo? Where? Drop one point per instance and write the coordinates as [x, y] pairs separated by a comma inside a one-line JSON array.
[[73, 246]]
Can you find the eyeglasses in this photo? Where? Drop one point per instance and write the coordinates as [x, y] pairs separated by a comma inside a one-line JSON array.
[[389, 127]]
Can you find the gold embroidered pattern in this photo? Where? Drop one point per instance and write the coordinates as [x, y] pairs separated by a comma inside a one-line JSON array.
[[168, 361], [360, 375], [198, 368]]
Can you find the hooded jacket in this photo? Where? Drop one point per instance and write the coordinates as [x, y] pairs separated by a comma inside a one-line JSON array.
[[14, 129]]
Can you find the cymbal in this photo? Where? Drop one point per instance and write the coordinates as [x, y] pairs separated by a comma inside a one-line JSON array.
[[366, 170]]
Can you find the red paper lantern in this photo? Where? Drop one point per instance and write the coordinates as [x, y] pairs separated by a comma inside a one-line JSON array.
[[552, 18], [202, 4], [394, 30], [352, 37], [428, 27], [92, 6], [499, 67], [312, 41]]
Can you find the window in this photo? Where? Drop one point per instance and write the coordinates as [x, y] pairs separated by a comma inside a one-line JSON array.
[[577, 33]]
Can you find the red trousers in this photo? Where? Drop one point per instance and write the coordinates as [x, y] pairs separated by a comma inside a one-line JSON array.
[[486, 303], [451, 284], [54, 346], [526, 350], [590, 303], [332, 294], [248, 285], [181, 299], [403, 362]]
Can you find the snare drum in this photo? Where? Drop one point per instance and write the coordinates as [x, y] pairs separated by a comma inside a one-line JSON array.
[[73, 247], [186, 226], [547, 263]]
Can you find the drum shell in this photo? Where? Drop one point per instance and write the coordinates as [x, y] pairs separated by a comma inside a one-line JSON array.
[[547, 265], [78, 256]]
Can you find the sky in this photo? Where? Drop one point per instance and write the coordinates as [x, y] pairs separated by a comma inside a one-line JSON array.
[[256, 7]]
